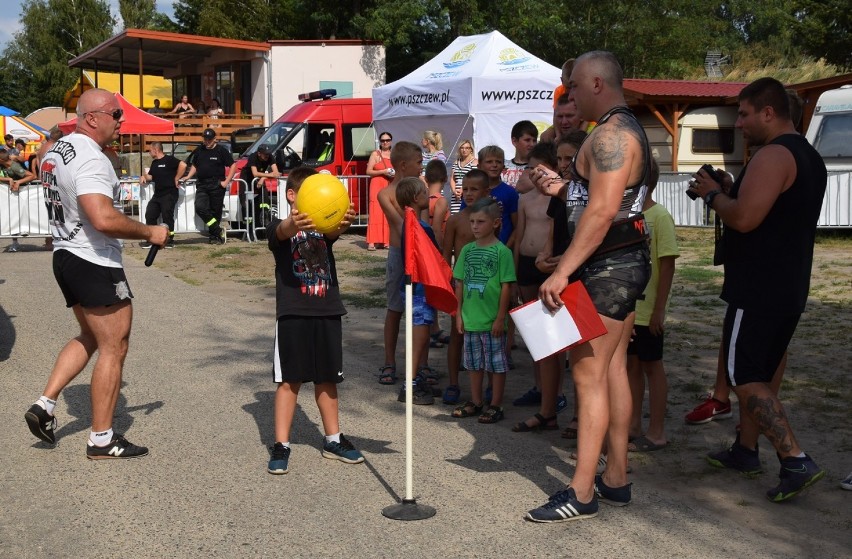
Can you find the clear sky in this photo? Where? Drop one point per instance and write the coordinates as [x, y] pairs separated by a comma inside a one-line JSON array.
[[10, 15]]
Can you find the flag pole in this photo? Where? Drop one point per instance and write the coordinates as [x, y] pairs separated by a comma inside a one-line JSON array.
[[409, 509]]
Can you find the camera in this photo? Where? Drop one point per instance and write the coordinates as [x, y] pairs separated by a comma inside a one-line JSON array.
[[711, 172]]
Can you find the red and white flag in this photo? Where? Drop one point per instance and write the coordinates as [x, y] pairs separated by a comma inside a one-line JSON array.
[[426, 266]]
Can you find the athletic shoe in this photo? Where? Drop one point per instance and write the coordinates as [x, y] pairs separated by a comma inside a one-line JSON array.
[[41, 423], [452, 394], [737, 457], [615, 496], [119, 447], [170, 243], [145, 244], [532, 397], [847, 483], [561, 403], [563, 507], [709, 410], [796, 474], [343, 451], [280, 458]]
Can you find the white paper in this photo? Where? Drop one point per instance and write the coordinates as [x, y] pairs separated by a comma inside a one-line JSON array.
[[544, 333]]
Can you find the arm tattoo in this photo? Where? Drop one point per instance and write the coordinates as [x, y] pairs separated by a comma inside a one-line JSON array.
[[611, 142]]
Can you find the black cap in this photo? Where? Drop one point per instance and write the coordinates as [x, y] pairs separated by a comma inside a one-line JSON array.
[[265, 149], [209, 134]]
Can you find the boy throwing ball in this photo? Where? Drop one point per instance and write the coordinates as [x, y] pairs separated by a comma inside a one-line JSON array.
[[308, 330]]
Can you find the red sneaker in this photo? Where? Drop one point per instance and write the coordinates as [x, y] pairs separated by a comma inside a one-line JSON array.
[[708, 410]]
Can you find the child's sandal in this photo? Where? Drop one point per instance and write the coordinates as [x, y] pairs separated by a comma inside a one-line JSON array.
[[492, 415], [387, 374], [430, 375], [468, 409]]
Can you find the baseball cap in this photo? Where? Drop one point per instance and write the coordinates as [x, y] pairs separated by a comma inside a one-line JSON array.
[[264, 149], [209, 134]]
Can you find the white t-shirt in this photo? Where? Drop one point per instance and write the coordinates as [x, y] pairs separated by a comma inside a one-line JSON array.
[[76, 165], [512, 172]]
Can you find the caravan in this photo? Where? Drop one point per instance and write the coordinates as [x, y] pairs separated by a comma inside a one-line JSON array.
[[707, 136], [830, 130]]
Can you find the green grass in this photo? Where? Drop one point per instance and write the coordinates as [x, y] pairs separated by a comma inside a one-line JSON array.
[[366, 300], [224, 252], [187, 279], [232, 265], [188, 247], [374, 272], [360, 257], [694, 274], [256, 281]]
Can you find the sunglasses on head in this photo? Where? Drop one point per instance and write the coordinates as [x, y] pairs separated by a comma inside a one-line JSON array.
[[116, 114]]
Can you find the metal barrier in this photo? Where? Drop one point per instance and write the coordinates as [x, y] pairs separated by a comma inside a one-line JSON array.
[[24, 213]]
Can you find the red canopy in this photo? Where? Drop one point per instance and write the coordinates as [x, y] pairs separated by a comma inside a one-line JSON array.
[[136, 121]]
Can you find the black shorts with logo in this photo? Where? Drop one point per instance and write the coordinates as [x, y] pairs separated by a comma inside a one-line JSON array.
[[308, 349], [89, 285], [753, 344]]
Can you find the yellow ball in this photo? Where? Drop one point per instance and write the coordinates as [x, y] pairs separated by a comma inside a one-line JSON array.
[[325, 200]]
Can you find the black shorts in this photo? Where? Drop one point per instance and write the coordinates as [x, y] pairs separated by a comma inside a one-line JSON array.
[[528, 274], [308, 349], [616, 281], [645, 345], [89, 285], [753, 344]]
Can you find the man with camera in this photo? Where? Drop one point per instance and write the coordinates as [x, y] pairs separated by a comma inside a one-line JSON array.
[[770, 214]]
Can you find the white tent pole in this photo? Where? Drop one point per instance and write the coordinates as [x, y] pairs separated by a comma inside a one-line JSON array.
[[409, 393]]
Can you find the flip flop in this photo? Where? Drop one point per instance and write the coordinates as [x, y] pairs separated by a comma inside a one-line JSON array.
[[643, 444]]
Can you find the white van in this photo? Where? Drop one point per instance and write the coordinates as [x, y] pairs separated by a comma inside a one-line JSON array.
[[830, 130], [707, 135]]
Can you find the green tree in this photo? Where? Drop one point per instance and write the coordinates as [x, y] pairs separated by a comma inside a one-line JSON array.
[[53, 32], [137, 14]]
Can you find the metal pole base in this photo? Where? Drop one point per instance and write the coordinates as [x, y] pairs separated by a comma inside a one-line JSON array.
[[408, 509]]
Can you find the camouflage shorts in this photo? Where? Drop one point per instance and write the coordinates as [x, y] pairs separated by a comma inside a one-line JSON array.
[[615, 283]]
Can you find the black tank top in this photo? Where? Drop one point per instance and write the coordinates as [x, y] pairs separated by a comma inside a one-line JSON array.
[[768, 269], [628, 226]]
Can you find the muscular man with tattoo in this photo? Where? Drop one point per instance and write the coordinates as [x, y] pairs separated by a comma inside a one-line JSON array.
[[770, 214], [608, 252]]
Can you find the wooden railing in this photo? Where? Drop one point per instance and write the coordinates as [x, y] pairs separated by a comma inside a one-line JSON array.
[[190, 128]]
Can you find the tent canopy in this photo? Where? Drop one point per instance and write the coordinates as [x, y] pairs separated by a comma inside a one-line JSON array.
[[478, 87], [136, 121], [20, 128]]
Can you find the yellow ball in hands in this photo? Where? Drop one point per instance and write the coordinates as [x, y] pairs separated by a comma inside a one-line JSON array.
[[325, 200]]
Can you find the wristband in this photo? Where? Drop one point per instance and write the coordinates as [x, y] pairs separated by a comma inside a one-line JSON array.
[[710, 196]]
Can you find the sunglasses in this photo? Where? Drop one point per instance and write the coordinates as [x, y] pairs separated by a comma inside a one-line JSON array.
[[116, 114], [385, 139]]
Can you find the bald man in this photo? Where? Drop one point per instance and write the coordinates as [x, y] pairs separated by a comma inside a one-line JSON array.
[[82, 193], [608, 253]]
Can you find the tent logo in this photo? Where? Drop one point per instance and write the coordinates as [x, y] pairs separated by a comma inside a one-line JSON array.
[[511, 57], [461, 57]]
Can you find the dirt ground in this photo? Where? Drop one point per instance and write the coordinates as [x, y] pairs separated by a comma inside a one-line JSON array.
[[815, 390]]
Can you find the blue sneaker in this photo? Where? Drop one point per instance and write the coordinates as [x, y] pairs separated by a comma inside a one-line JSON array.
[[343, 451], [452, 394], [563, 507], [615, 496], [737, 457], [561, 403], [796, 475], [532, 397], [279, 460]]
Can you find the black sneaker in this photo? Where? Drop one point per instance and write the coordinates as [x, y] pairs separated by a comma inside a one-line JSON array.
[[563, 507], [737, 457], [119, 447], [615, 496], [796, 474], [423, 395], [41, 423], [145, 244], [279, 459], [343, 451], [170, 243]]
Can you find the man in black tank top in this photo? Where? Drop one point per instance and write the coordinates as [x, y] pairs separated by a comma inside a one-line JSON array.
[[770, 215], [613, 162]]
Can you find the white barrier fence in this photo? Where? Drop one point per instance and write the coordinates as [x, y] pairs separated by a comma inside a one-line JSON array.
[[24, 214]]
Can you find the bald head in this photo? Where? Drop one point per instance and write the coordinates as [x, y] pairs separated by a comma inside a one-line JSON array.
[[99, 116], [95, 100], [604, 65]]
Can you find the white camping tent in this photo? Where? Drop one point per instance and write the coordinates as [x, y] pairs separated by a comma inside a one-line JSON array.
[[477, 88]]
